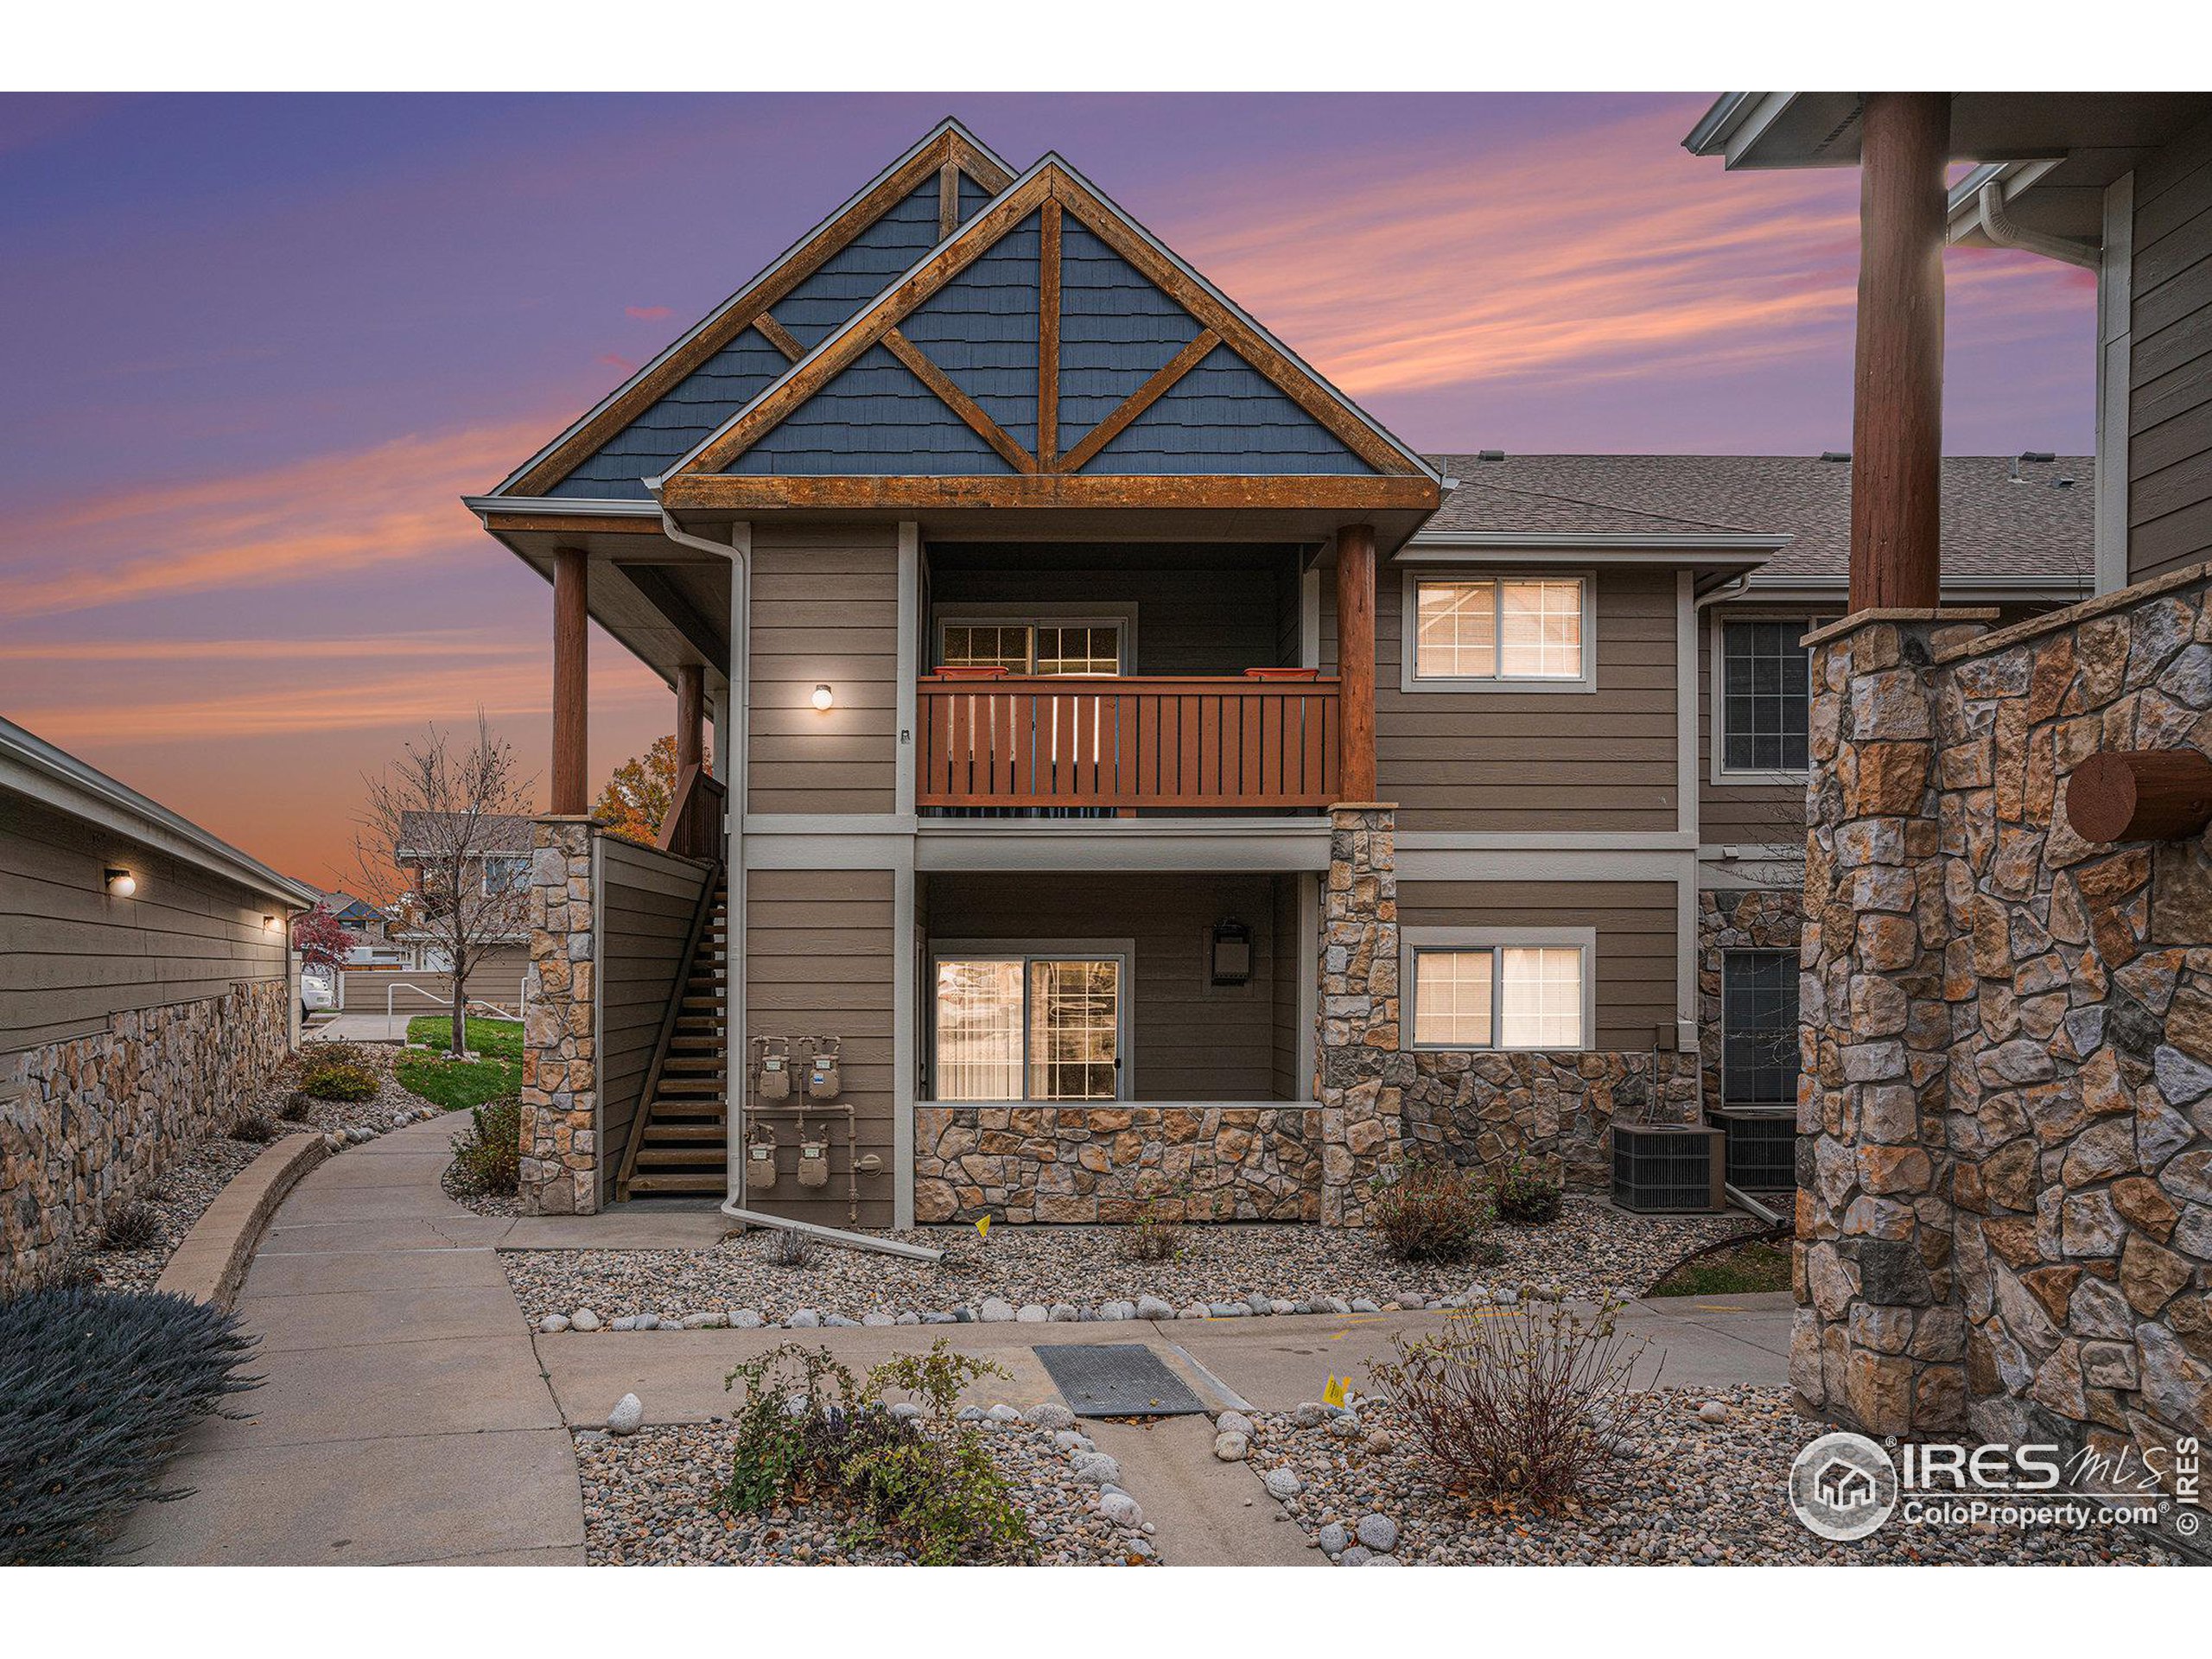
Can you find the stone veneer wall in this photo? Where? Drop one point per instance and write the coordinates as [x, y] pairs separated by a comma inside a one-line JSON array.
[[1382, 1100], [1116, 1163], [2005, 1220], [560, 1079], [101, 1118], [1737, 918]]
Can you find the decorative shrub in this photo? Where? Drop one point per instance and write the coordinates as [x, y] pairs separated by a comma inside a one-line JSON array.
[[1524, 1405], [1152, 1237], [95, 1388], [810, 1433], [788, 1248], [340, 1080], [1434, 1211], [296, 1106], [258, 1128], [132, 1225], [1529, 1195], [488, 1154]]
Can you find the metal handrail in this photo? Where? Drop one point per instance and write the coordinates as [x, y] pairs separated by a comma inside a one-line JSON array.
[[444, 1002]]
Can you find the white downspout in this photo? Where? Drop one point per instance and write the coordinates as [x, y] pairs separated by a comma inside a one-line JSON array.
[[1997, 225], [738, 551]]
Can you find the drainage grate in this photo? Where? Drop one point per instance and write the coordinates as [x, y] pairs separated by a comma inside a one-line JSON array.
[[1117, 1380]]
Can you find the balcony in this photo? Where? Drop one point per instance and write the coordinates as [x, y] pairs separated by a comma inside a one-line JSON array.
[[1126, 742]]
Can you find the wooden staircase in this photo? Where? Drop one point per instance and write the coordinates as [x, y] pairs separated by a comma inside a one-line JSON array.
[[678, 1144]]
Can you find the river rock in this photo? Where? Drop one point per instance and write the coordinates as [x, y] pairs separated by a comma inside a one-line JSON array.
[[628, 1415]]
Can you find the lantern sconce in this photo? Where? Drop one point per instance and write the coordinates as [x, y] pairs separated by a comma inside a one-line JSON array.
[[1230, 954], [121, 883], [824, 697], [267, 923]]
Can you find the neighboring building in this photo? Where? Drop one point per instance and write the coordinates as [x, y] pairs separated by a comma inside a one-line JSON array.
[[1049, 606], [144, 994], [366, 926], [2006, 1115], [498, 876]]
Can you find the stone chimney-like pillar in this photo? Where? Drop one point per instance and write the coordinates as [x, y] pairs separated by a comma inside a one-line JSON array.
[[1363, 1074], [560, 1062]]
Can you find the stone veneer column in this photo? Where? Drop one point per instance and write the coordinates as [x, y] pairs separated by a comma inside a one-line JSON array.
[[559, 1077], [1363, 1073], [1878, 1343]]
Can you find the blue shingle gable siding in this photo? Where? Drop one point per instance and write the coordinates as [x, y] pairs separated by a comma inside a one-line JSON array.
[[981, 328], [973, 198], [692, 408], [872, 419], [1225, 417], [860, 270], [1116, 331]]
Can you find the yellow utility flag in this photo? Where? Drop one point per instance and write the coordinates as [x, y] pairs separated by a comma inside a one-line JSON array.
[[983, 1227], [1334, 1393]]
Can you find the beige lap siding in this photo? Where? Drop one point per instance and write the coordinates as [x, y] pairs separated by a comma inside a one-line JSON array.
[[1493, 761], [2169, 397], [647, 902], [1635, 924], [818, 962], [825, 611], [70, 956], [1189, 1040]]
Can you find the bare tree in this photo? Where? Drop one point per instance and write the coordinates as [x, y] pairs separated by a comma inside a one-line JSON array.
[[450, 815]]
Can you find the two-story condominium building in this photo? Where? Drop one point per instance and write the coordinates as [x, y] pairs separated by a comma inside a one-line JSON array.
[[1137, 776]]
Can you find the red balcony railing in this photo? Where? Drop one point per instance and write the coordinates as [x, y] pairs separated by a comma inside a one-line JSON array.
[[1126, 742]]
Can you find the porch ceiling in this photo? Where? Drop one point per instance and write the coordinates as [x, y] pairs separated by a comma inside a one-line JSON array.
[[667, 604]]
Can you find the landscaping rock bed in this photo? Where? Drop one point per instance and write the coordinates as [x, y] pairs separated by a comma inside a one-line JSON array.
[[1073, 1273], [1694, 1491], [649, 1501], [184, 1191]]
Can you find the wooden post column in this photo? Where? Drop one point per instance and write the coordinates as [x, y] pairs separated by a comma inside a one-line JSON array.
[[571, 649], [1356, 659], [690, 715], [1897, 437]]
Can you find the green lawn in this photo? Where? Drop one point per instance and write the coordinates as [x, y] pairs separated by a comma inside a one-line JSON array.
[[1750, 1267], [454, 1084]]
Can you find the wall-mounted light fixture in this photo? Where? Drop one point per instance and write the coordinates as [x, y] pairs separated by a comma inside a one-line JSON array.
[[121, 883], [824, 696], [267, 923], [1231, 954]]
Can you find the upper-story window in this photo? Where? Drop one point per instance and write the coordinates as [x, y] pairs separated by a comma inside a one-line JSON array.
[[1525, 631], [1765, 692], [506, 874], [1027, 647]]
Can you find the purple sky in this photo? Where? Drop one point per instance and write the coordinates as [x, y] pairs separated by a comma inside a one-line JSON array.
[[260, 345]]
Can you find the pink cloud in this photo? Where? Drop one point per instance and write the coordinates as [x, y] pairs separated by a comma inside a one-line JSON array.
[[648, 312]]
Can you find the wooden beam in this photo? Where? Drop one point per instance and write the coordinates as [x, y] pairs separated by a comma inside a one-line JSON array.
[[690, 718], [1323, 492], [779, 337], [1048, 337], [1356, 659], [959, 403], [948, 200], [828, 239], [1294, 380], [573, 524], [1140, 400], [2140, 795], [571, 785], [1897, 440], [877, 318]]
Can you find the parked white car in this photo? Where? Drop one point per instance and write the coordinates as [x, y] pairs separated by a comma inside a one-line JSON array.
[[318, 989]]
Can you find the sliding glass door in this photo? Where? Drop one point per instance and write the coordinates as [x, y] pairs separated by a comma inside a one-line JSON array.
[[1028, 1025]]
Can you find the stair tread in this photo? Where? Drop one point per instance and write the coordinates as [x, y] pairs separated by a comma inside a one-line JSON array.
[[716, 1183]]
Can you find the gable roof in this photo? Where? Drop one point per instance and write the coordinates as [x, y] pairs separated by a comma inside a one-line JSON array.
[[496, 834], [1054, 351], [1995, 530], [748, 341]]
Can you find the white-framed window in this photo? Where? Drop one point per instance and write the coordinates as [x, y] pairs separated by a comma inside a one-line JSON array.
[[506, 874], [1038, 639], [1045, 1019], [1532, 632], [1761, 698], [1499, 988]]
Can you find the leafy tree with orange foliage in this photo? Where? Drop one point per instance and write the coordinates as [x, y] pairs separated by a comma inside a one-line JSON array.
[[638, 797]]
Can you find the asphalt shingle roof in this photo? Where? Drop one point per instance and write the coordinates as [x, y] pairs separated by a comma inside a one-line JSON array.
[[1992, 526]]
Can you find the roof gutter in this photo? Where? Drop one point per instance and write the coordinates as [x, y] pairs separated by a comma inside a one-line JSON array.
[[1996, 224], [1726, 541]]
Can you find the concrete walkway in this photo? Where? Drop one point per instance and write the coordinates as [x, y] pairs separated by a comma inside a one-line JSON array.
[[403, 1418], [410, 1416]]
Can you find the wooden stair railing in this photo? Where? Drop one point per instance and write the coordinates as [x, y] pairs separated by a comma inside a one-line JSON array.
[[713, 899], [693, 828]]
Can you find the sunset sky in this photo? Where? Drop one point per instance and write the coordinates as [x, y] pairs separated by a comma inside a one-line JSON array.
[[259, 346]]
